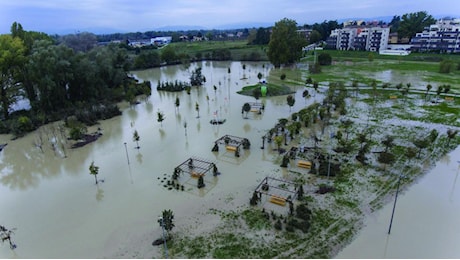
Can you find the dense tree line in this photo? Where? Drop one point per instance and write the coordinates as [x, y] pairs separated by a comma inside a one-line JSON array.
[[261, 37], [59, 80], [213, 34]]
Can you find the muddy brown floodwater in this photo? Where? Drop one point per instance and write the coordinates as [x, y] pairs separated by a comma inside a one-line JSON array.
[[58, 211], [426, 220]]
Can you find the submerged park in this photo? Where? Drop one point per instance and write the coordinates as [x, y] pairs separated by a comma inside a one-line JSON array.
[[327, 150]]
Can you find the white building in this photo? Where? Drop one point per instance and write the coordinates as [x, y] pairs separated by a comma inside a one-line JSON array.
[[359, 38], [160, 41], [443, 36]]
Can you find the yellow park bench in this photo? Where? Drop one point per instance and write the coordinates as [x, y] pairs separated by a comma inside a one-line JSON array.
[[278, 200], [230, 148], [196, 174], [304, 164]]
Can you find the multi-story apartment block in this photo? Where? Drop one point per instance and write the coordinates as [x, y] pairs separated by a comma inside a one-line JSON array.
[[305, 33], [443, 37], [359, 38], [341, 39]]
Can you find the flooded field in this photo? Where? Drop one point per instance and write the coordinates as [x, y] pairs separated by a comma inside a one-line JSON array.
[[425, 223], [59, 212]]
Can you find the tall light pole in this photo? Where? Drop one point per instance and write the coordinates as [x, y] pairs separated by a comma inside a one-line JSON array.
[[127, 157], [162, 224], [394, 204]]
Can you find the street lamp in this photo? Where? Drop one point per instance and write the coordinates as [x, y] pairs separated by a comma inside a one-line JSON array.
[[394, 204], [127, 157], [162, 224]]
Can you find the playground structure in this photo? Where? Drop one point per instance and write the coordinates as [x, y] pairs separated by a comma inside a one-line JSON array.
[[279, 192], [195, 168], [232, 144]]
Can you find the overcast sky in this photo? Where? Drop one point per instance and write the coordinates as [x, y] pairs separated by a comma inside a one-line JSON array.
[[57, 16]]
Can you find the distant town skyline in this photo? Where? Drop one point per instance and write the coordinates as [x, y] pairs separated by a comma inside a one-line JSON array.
[[110, 16]]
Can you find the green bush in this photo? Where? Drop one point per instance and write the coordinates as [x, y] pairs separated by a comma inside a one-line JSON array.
[[446, 66], [77, 132], [23, 125], [324, 59]]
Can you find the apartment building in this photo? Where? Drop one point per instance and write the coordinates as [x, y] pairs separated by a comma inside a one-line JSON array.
[[359, 38], [341, 39], [443, 37]]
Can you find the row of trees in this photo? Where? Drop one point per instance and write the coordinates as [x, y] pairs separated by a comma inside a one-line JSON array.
[[58, 80]]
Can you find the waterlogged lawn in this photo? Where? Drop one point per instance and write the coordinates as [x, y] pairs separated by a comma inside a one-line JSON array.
[[388, 71], [336, 217]]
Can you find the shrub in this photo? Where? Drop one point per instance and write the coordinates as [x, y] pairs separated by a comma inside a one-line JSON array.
[[77, 132], [446, 66], [23, 125], [283, 76], [324, 59]]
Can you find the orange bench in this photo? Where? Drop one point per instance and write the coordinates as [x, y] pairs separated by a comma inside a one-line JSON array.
[[230, 148], [304, 164], [278, 200]]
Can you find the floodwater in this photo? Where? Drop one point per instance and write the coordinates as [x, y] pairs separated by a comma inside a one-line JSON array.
[[416, 79], [426, 220], [59, 212]]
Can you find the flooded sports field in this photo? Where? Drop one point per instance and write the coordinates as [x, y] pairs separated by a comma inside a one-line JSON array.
[[58, 211]]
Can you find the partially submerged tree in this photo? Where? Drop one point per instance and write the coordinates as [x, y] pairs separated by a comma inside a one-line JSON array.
[[160, 117], [246, 108], [428, 88], [136, 139], [177, 103], [167, 221], [197, 108], [451, 135], [290, 101], [305, 95], [5, 235], [388, 142], [197, 78], [421, 143], [386, 158], [94, 170], [278, 141]]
